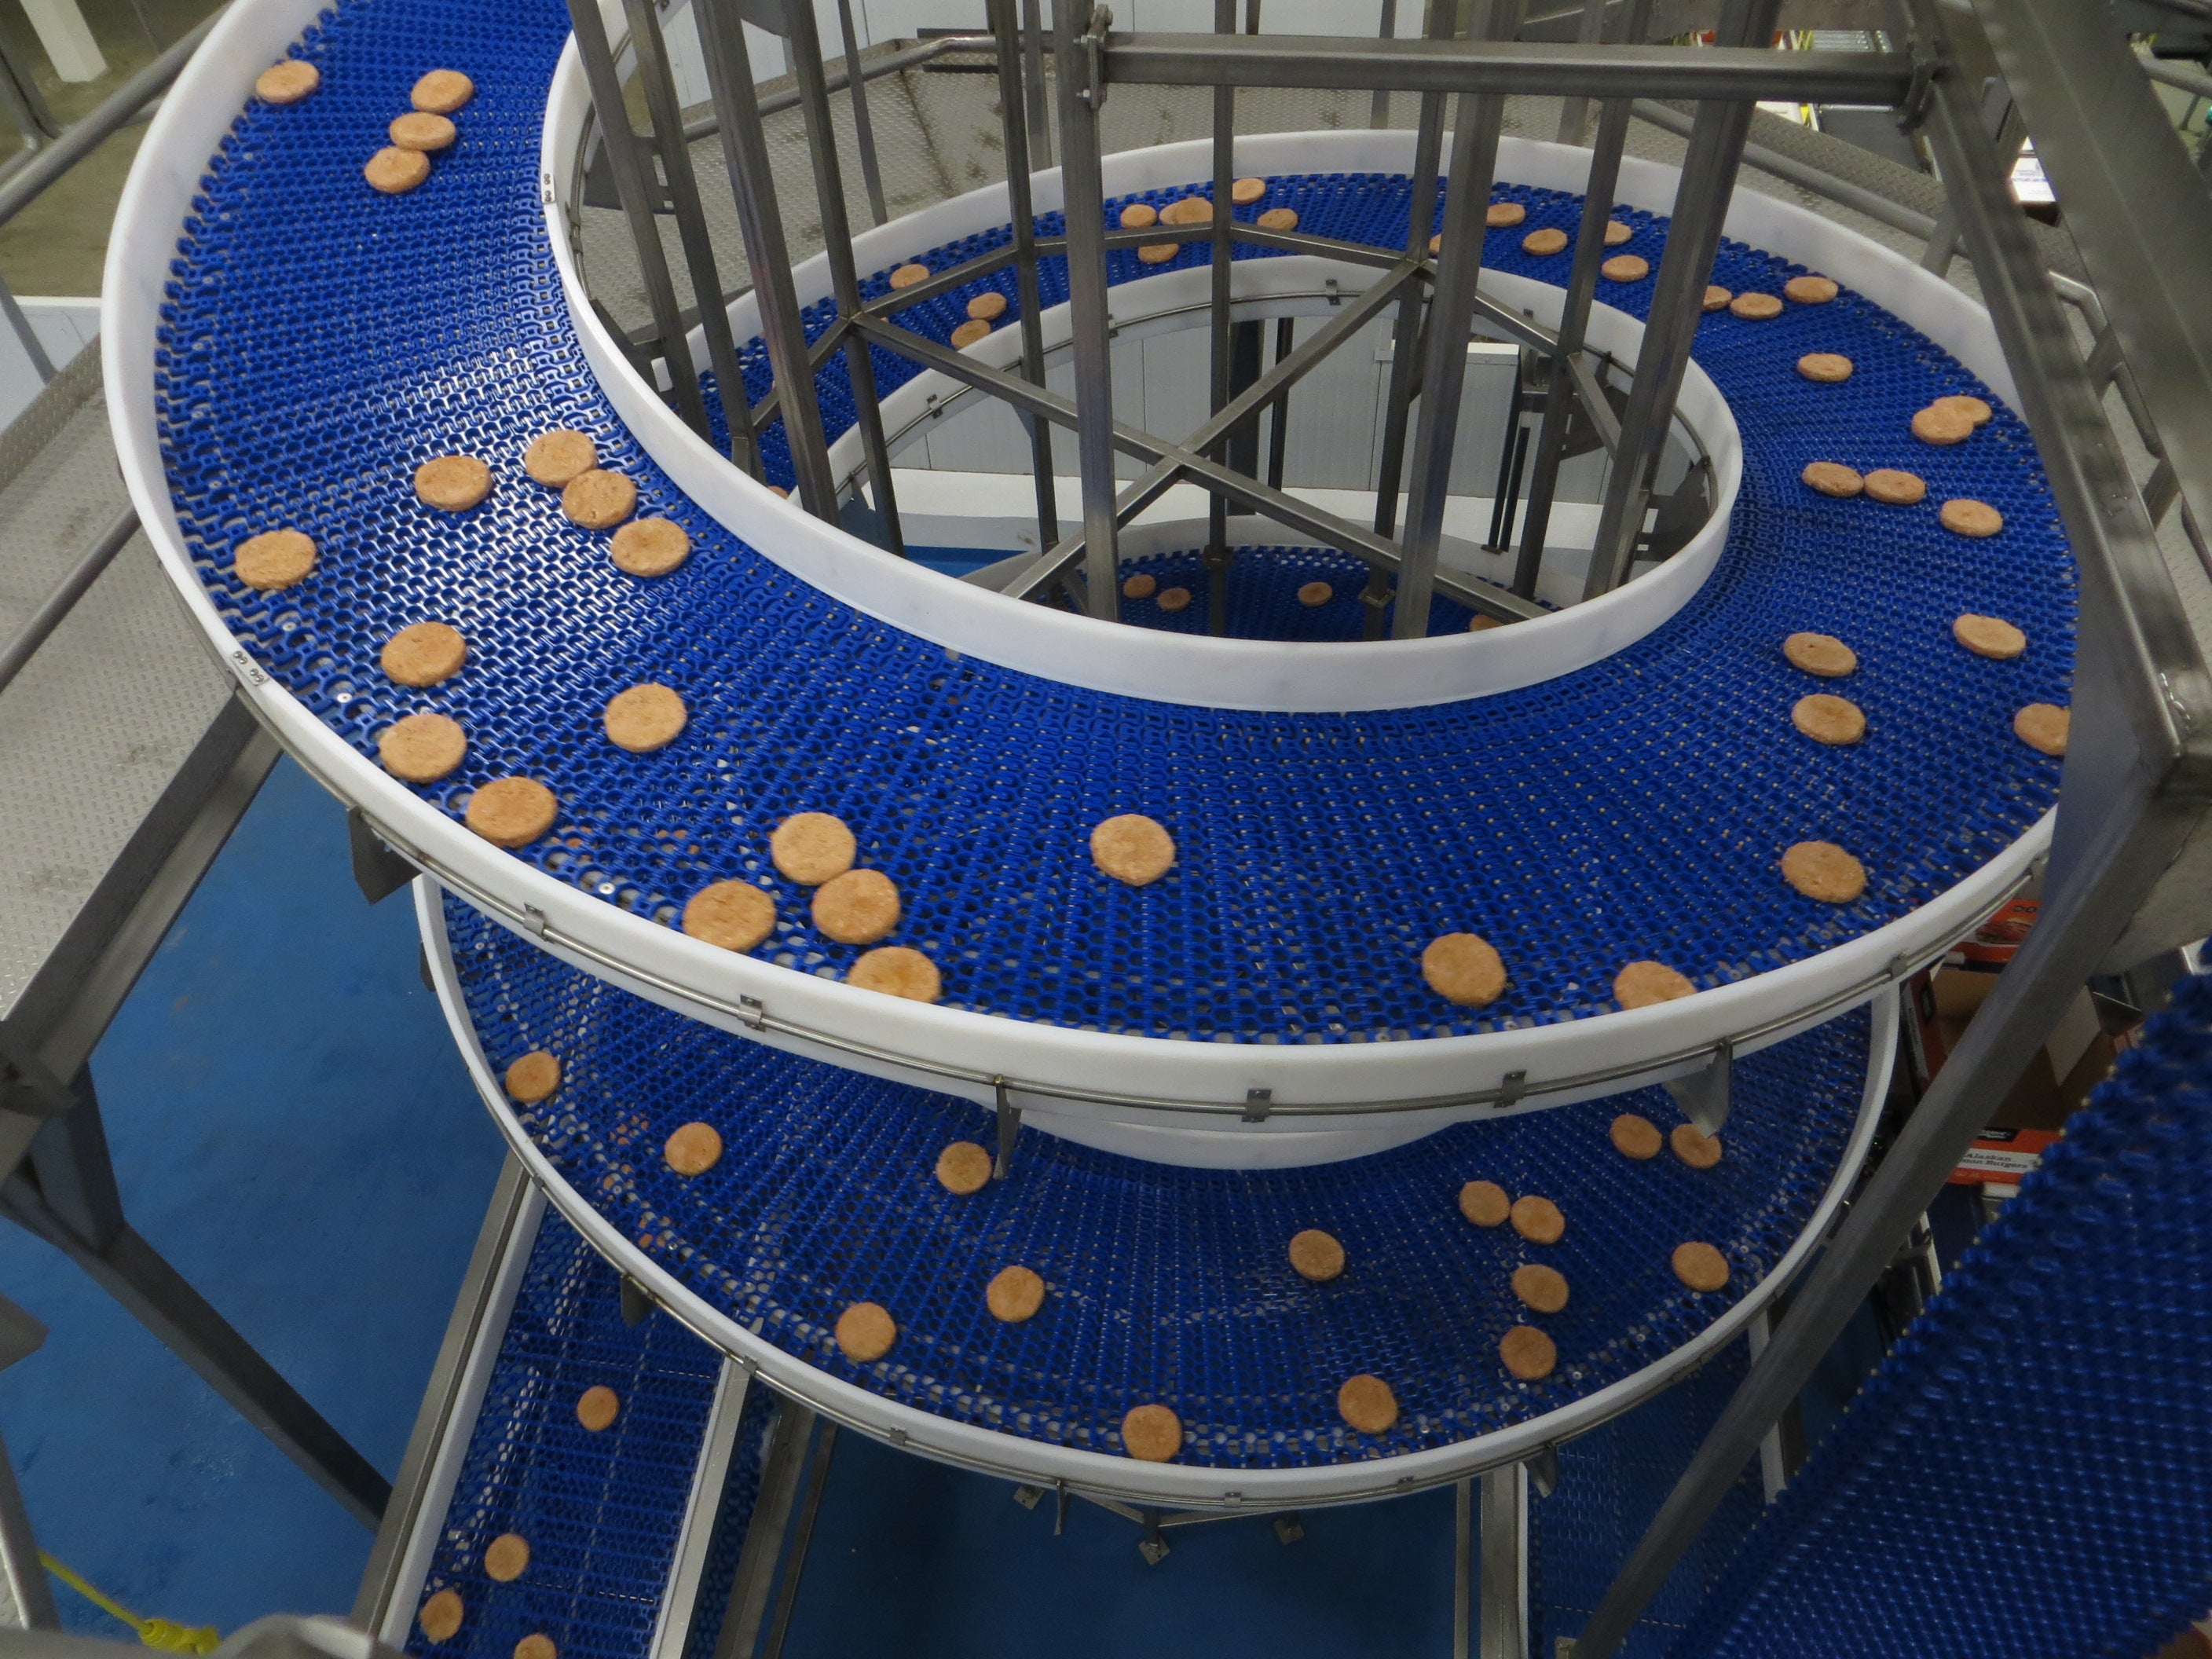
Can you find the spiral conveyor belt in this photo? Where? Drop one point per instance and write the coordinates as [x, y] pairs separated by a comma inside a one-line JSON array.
[[1611, 783], [305, 343]]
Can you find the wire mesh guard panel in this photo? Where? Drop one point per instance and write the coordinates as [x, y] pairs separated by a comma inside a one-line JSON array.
[[1164, 1284], [2024, 1476], [320, 341], [600, 1511], [1611, 1482]]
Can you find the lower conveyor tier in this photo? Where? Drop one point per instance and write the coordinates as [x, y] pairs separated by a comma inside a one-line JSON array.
[[316, 342], [607, 1510], [1164, 1285]]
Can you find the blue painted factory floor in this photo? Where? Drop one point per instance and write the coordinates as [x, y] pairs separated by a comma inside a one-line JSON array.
[[292, 1128]]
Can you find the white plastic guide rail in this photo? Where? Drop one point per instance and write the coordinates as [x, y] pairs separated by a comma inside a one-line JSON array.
[[1181, 1101]]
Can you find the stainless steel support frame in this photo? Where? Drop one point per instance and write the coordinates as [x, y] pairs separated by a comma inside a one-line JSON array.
[[1451, 318], [2138, 776], [1570, 378], [1441, 23], [635, 188], [1338, 63], [804, 46], [1084, 193], [665, 116], [1015, 127], [1694, 237], [752, 189]]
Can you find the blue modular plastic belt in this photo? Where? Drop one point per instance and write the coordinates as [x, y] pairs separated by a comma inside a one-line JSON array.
[[320, 340], [1164, 1284], [600, 1511], [2024, 1476], [1263, 595], [1611, 1482]]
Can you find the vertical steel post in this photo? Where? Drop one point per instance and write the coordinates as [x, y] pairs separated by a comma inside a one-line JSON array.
[[1574, 112], [1378, 110], [864, 129], [1224, 175], [637, 191], [1701, 204], [1013, 123], [1503, 1613], [1574, 317], [2136, 760], [752, 190], [806, 43], [1040, 111], [1278, 426], [1451, 317], [1442, 23], [666, 116], [1081, 91]]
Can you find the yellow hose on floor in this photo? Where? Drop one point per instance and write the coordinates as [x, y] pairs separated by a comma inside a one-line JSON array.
[[163, 1633]]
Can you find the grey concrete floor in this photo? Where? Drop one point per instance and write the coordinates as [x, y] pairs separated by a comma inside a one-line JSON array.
[[56, 246]]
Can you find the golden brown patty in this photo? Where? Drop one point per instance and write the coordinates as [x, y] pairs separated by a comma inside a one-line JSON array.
[[897, 971], [394, 172], [1828, 719], [858, 908], [275, 559], [1464, 968], [1485, 1203], [866, 1332], [1528, 1353], [1643, 984], [533, 1077], [963, 1168], [1367, 1404], [442, 91], [1821, 869], [512, 812], [734, 915], [650, 547], [1316, 1256], [1151, 1434], [558, 457], [1822, 654], [422, 748], [288, 81], [423, 654], [693, 1149], [452, 483], [1133, 848]]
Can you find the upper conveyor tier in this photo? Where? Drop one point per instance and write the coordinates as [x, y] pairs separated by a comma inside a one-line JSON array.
[[1162, 1285], [308, 343]]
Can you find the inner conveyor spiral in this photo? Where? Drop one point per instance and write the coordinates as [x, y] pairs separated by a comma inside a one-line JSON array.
[[1613, 783]]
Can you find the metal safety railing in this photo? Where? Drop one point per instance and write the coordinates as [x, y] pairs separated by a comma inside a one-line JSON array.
[[17, 191]]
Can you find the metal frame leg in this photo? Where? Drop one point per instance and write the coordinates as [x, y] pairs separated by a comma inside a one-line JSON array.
[[638, 194], [1085, 195], [781, 1475], [1502, 1615], [670, 142], [805, 48], [1405, 347], [66, 1193], [752, 190], [1014, 124], [864, 128], [1039, 108], [1451, 316], [1709, 171], [1574, 317]]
